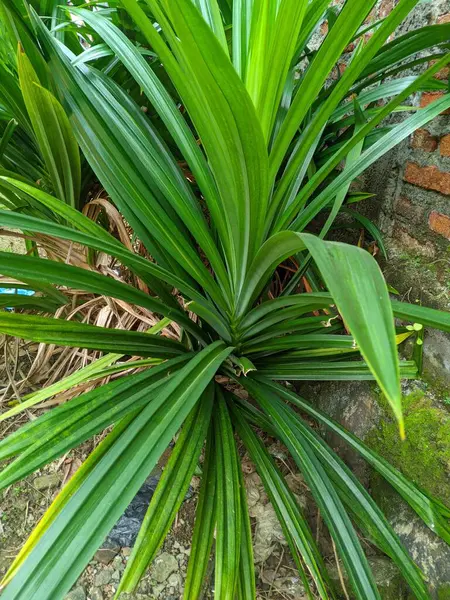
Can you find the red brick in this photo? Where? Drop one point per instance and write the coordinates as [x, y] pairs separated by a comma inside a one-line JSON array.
[[430, 178], [423, 140], [444, 146], [439, 223], [429, 97], [444, 19]]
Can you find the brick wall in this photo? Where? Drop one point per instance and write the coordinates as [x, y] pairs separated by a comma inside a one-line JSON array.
[[412, 187], [412, 205]]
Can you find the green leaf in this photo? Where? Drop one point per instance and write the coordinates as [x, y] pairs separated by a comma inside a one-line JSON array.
[[167, 109], [242, 23], [246, 585], [62, 498], [304, 303], [205, 522], [51, 568], [53, 133], [52, 272], [292, 521], [154, 196], [369, 226], [73, 216], [82, 335], [293, 341], [367, 514], [211, 13], [353, 494], [226, 122], [229, 509], [105, 243], [274, 250], [328, 500], [404, 46], [359, 290], [57, 431], [429, 509], [394, 137], [281, 39], [170, 491], [9, 130], [29, 302], [348, 22], [293, 325], [368, 157], [309, 370], [439, 319]]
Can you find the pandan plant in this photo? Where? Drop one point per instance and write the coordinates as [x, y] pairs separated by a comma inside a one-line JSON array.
[[220, 181]]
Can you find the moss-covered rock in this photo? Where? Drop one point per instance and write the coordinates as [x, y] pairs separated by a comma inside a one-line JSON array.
[[390, 583], [424, 457]]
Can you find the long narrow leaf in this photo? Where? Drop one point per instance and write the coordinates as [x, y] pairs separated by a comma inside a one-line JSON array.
[[51, 568], [170, 492]]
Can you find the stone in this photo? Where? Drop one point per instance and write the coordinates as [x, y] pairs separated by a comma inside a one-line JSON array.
[[429, 552], [103, 577], [355, 406], [76, 594], [387, 577], [47, 482], [430, 177], [106, 555], [436, 357], [115, 576], [145, 586], [96, 594], [174, 580], [118, 564], [439, 223], [423, 457], [158, 590], [164, 565]]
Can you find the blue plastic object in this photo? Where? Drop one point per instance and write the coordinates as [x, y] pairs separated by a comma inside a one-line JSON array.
[[18, 291]]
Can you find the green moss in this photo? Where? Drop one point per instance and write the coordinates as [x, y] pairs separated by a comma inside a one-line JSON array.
[[424, 457], [444, 592]]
